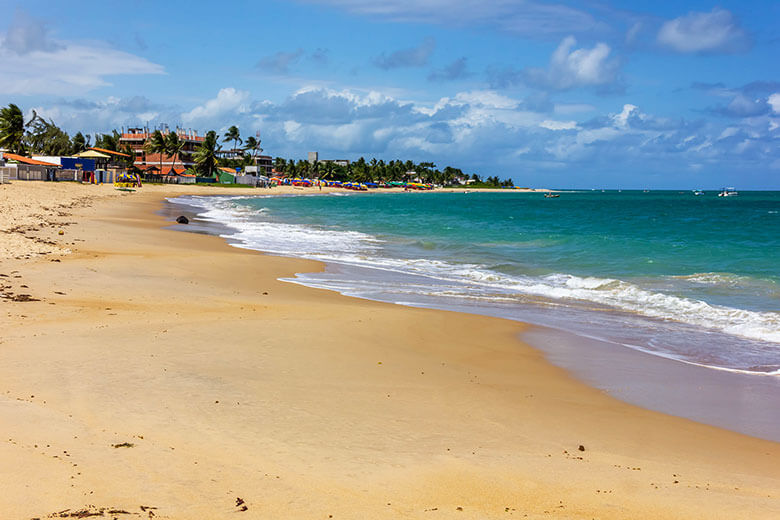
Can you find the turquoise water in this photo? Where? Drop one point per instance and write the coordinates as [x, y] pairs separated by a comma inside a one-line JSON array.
[[692, 278]]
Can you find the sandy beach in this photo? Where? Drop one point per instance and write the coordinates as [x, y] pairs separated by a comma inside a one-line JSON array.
[[146, 372]]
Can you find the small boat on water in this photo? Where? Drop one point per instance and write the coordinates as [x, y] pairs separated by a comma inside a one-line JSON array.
[[728, 192], [551, 195], [698, 192]]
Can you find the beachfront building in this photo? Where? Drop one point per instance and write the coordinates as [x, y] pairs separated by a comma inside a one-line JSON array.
[[19, 167], [232, 154], [136, 139], [314, 157], [265, 165], [115, 160]]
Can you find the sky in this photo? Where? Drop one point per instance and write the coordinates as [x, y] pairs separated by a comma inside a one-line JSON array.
[[577, 94]]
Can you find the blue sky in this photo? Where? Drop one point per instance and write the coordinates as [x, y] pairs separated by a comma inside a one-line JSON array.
[[556, 94]]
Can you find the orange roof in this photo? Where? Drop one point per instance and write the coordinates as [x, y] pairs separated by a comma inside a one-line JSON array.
[[176, 171], [147, 135], [166, 170], [109, 151], [27, 160]]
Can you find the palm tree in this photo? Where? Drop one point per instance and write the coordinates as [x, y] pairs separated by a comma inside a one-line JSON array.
[[205, 156], [156, 144], [12, 129], [173, 146], [280, 164], [79, 143], [251, 145], [233, 135]]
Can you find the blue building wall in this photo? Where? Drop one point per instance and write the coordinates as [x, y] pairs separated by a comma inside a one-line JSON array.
[[69, 163]]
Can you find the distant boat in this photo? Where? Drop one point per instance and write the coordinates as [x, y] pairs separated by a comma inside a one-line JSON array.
[[551, 195], [728, 192], [698, 192]]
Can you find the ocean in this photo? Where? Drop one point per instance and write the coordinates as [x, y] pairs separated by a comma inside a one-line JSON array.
[[693, 279]]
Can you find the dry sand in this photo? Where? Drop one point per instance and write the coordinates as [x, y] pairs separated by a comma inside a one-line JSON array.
[[152, 368]]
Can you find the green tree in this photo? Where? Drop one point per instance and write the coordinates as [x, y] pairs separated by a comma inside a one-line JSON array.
[[45, 138], [108, 141], [173, 146], [129, 161], [251, 145], [79, 143], [205, 155], [233, 135], [291, 169], [280, 164], [425, 171], [12, 129], [155, 144]]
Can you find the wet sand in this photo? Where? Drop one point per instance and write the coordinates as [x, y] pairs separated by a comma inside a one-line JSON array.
[[168, 370]]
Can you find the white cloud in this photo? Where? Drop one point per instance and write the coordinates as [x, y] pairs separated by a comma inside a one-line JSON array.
[[774, 102], [523, 17], [716, 31], [621, 119], [227, 100], [558, 125], [33, 63], [102, 115], [570, 67]]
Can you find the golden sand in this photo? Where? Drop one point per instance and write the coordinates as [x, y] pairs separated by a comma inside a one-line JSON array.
[[155, 369]]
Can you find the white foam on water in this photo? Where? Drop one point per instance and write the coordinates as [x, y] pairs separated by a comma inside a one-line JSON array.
[[478, 281]]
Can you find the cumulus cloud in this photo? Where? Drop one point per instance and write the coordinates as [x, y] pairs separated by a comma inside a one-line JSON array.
[[774, 102], [470, 126], [103, 115], [750, 100], [571, 67], [461, 130], [412, 57], [228, 100], [458, 69], [717, 31], [744, 106], [43, 65]]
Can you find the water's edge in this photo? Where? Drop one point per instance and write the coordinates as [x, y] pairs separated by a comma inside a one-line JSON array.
[[737, 402]]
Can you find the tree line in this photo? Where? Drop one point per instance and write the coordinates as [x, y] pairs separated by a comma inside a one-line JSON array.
[[41, 137]]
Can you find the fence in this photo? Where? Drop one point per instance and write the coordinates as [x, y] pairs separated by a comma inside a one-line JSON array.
[[31, 172]]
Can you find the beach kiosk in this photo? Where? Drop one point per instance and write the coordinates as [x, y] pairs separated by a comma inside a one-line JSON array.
[[99, 175]]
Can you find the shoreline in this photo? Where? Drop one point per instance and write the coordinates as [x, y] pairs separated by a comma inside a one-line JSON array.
[[719, 397], [351, 408]]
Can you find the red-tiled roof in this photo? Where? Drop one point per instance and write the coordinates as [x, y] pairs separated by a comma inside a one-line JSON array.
[[27, 160], [166, 170], [184, 137], [109, 152]]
